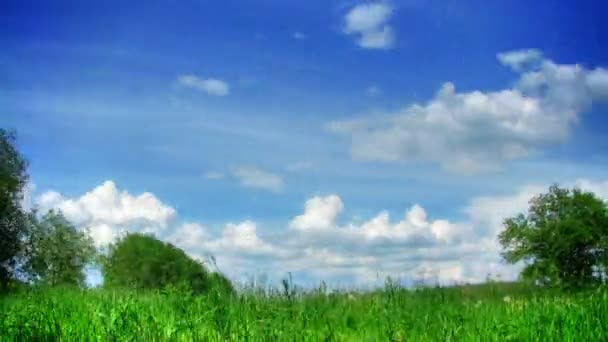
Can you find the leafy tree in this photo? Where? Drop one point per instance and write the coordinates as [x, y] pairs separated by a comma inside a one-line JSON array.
[[563, 239], [143, 262], [13, 222], [59, 251]]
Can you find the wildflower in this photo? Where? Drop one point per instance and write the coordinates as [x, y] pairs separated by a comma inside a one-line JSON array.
[[507, 299]]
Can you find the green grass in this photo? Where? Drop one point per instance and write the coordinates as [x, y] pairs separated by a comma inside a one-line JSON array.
[[468, 313]]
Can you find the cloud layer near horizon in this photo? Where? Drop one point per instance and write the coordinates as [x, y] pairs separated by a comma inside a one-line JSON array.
[[316, 244]]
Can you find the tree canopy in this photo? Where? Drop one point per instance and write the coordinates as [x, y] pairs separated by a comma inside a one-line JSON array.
[[141, 261], [13, 223], [59, 252], [562, 240]]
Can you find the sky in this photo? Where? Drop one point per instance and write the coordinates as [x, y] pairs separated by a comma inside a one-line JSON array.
[[343, 141]]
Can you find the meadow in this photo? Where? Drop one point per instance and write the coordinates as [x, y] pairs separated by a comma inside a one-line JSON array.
[[489, 312]]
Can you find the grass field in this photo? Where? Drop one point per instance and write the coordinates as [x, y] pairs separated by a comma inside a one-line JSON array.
[[493, 312]]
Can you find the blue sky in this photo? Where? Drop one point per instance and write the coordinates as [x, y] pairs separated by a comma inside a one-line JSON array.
[[243, 111]]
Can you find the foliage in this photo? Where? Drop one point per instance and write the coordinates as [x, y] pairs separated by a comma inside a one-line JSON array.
[[141, 261], [563, 238], [13, 223], [436, 314], [59, 252]]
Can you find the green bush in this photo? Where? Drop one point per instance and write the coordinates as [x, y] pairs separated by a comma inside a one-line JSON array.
[[142, 262]]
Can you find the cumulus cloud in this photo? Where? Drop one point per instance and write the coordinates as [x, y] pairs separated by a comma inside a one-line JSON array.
[[319, 213], [486, 213], [253, 177], [189, 236], [238, 248], [315, 244], [480, 130], [414, 246], [369, 23], [105, 211], [242, 238], [520, 59], [211, 86]]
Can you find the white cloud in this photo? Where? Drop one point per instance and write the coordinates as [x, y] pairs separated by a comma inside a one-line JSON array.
[[299, 35], [253, 177], [315, 245], [520, 59], [486, 213], [189, 235], [105, 211], [369, 23], [103, 233], [319, 213], [479, 130], [241, 238], [211, 86], [237, 248], [415, 246], [214, 175]]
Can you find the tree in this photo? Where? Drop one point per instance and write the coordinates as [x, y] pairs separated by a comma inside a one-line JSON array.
[[13, 222], [59, 252], [141, 261], [563, 239]]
